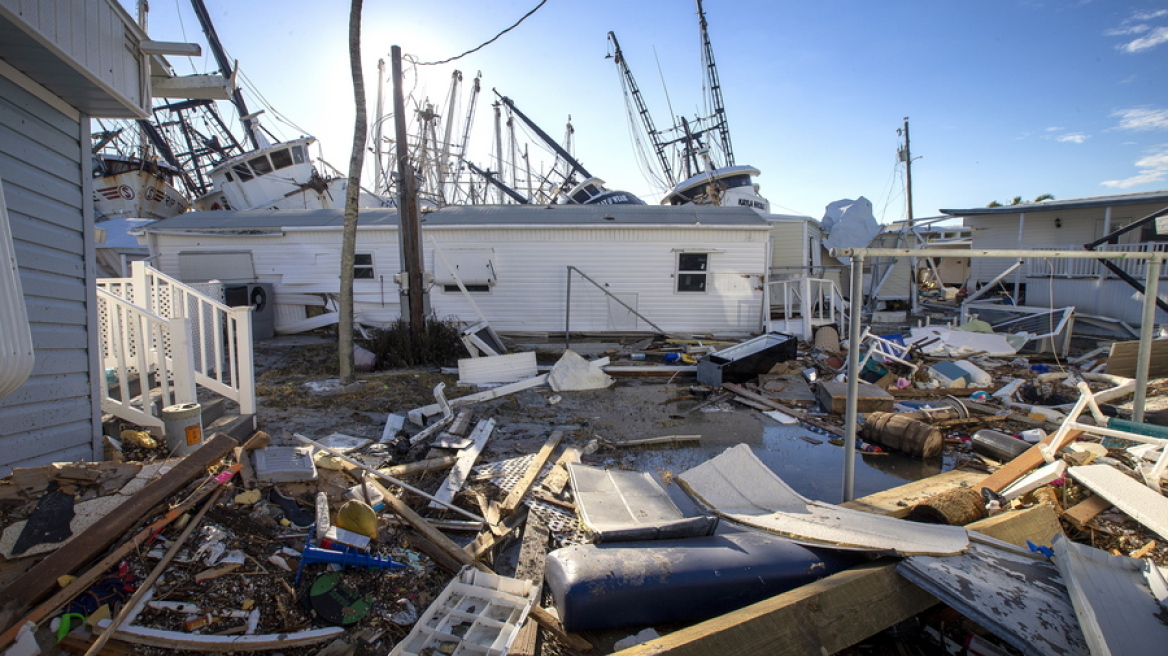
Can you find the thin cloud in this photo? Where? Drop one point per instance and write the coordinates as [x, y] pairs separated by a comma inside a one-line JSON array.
[[1153, 169], [1141, 25], [1142, 118], [1076, 138]]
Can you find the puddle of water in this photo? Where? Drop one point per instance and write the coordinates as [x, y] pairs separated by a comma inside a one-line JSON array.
[[813, 470]]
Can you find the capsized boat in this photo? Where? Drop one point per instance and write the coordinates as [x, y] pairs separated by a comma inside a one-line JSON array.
[[133, 187]]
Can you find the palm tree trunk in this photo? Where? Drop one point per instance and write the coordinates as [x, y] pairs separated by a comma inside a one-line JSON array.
[[352, 191]]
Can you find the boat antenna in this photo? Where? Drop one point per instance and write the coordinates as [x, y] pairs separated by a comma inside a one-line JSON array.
[[576, 166], [228, 70], [715, 89]]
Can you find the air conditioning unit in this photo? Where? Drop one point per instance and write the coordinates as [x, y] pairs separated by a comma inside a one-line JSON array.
[[260, 297]]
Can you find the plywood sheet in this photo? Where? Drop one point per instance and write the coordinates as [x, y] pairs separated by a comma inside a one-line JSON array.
[[740, 487]]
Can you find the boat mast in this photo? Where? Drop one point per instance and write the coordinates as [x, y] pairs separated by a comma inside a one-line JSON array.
[[715, 90], [250, 125], [635, 92], [444, 158], [575, 165]]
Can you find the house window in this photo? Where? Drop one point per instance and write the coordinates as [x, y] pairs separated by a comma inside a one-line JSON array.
[[692, 271], [479, 289], [363, 266]]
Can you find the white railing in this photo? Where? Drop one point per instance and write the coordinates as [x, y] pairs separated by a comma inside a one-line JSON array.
[[1089, 267], [216, 345], [135, 346], [805, 303]]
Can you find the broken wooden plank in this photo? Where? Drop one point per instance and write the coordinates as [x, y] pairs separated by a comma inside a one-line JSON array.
[[486, 541], [41, 580], [532, 552], [1038, 524], [801, 416], [444, 496], [461, 423], [1086, 510], [670, 440], [523, 485], [557, 478], [898, 501], [490, 509]]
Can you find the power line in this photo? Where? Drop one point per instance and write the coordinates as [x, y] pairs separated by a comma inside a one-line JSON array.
[[489, 42]]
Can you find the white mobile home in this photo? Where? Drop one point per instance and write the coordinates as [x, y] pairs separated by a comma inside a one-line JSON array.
[[1068, 225], [683, 269]]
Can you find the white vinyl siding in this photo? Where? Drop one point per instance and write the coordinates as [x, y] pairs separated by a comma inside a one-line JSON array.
[[52, 417]]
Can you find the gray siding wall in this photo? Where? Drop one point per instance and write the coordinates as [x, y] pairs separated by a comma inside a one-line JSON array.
[[52, 416]]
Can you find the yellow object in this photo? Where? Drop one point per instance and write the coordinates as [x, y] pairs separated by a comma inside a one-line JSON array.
[[65, 579], [102, 613], [358, 517], [247, 604], [326, 460], [141, 438], [247, 498]]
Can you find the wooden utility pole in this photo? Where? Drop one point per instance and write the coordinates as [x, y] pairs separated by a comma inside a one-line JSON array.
[[410, 230], [906, 157]]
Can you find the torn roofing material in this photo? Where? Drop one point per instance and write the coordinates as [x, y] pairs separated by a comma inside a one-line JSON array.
[[1111, 597], [740, 487], [1020, 598]]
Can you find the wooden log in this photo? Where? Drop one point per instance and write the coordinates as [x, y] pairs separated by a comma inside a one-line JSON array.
[[40, 581], [515, 497], [898, 501], [904, 434]]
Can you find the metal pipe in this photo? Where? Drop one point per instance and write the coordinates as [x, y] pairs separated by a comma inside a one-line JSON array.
[[568, 313], [1147, 326], [853, 383]]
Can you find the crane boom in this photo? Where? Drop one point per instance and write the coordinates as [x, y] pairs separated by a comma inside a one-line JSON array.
[[715, 90], [635, 92], [572, 162]]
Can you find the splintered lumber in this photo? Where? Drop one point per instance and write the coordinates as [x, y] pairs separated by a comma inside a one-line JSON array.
[[379, 474], [818, 618], [515, 497], [99, 569], [1086, 510], [664, 440], [41, 580], [557, 478], [486, 541], [801, 416], [466, 459], [532, 552], [898, 501], [1038, 524], [455, 553], [148, 583], [418, 415]]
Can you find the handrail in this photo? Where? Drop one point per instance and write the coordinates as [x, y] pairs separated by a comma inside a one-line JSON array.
[[134, 346], [818, 301], [214, 343]]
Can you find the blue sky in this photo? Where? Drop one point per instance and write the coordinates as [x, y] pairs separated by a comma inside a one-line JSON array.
[[1005, 98]]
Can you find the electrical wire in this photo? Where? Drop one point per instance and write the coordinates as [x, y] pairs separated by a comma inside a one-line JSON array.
[[490, 41]]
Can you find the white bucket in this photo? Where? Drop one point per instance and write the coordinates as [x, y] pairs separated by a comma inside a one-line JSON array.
[[183, 426]]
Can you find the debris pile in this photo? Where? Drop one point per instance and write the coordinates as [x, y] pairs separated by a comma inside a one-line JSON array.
[[494, 521]]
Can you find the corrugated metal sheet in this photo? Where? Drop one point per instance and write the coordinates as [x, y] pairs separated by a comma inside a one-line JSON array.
[[95, 64], [51, 417]]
